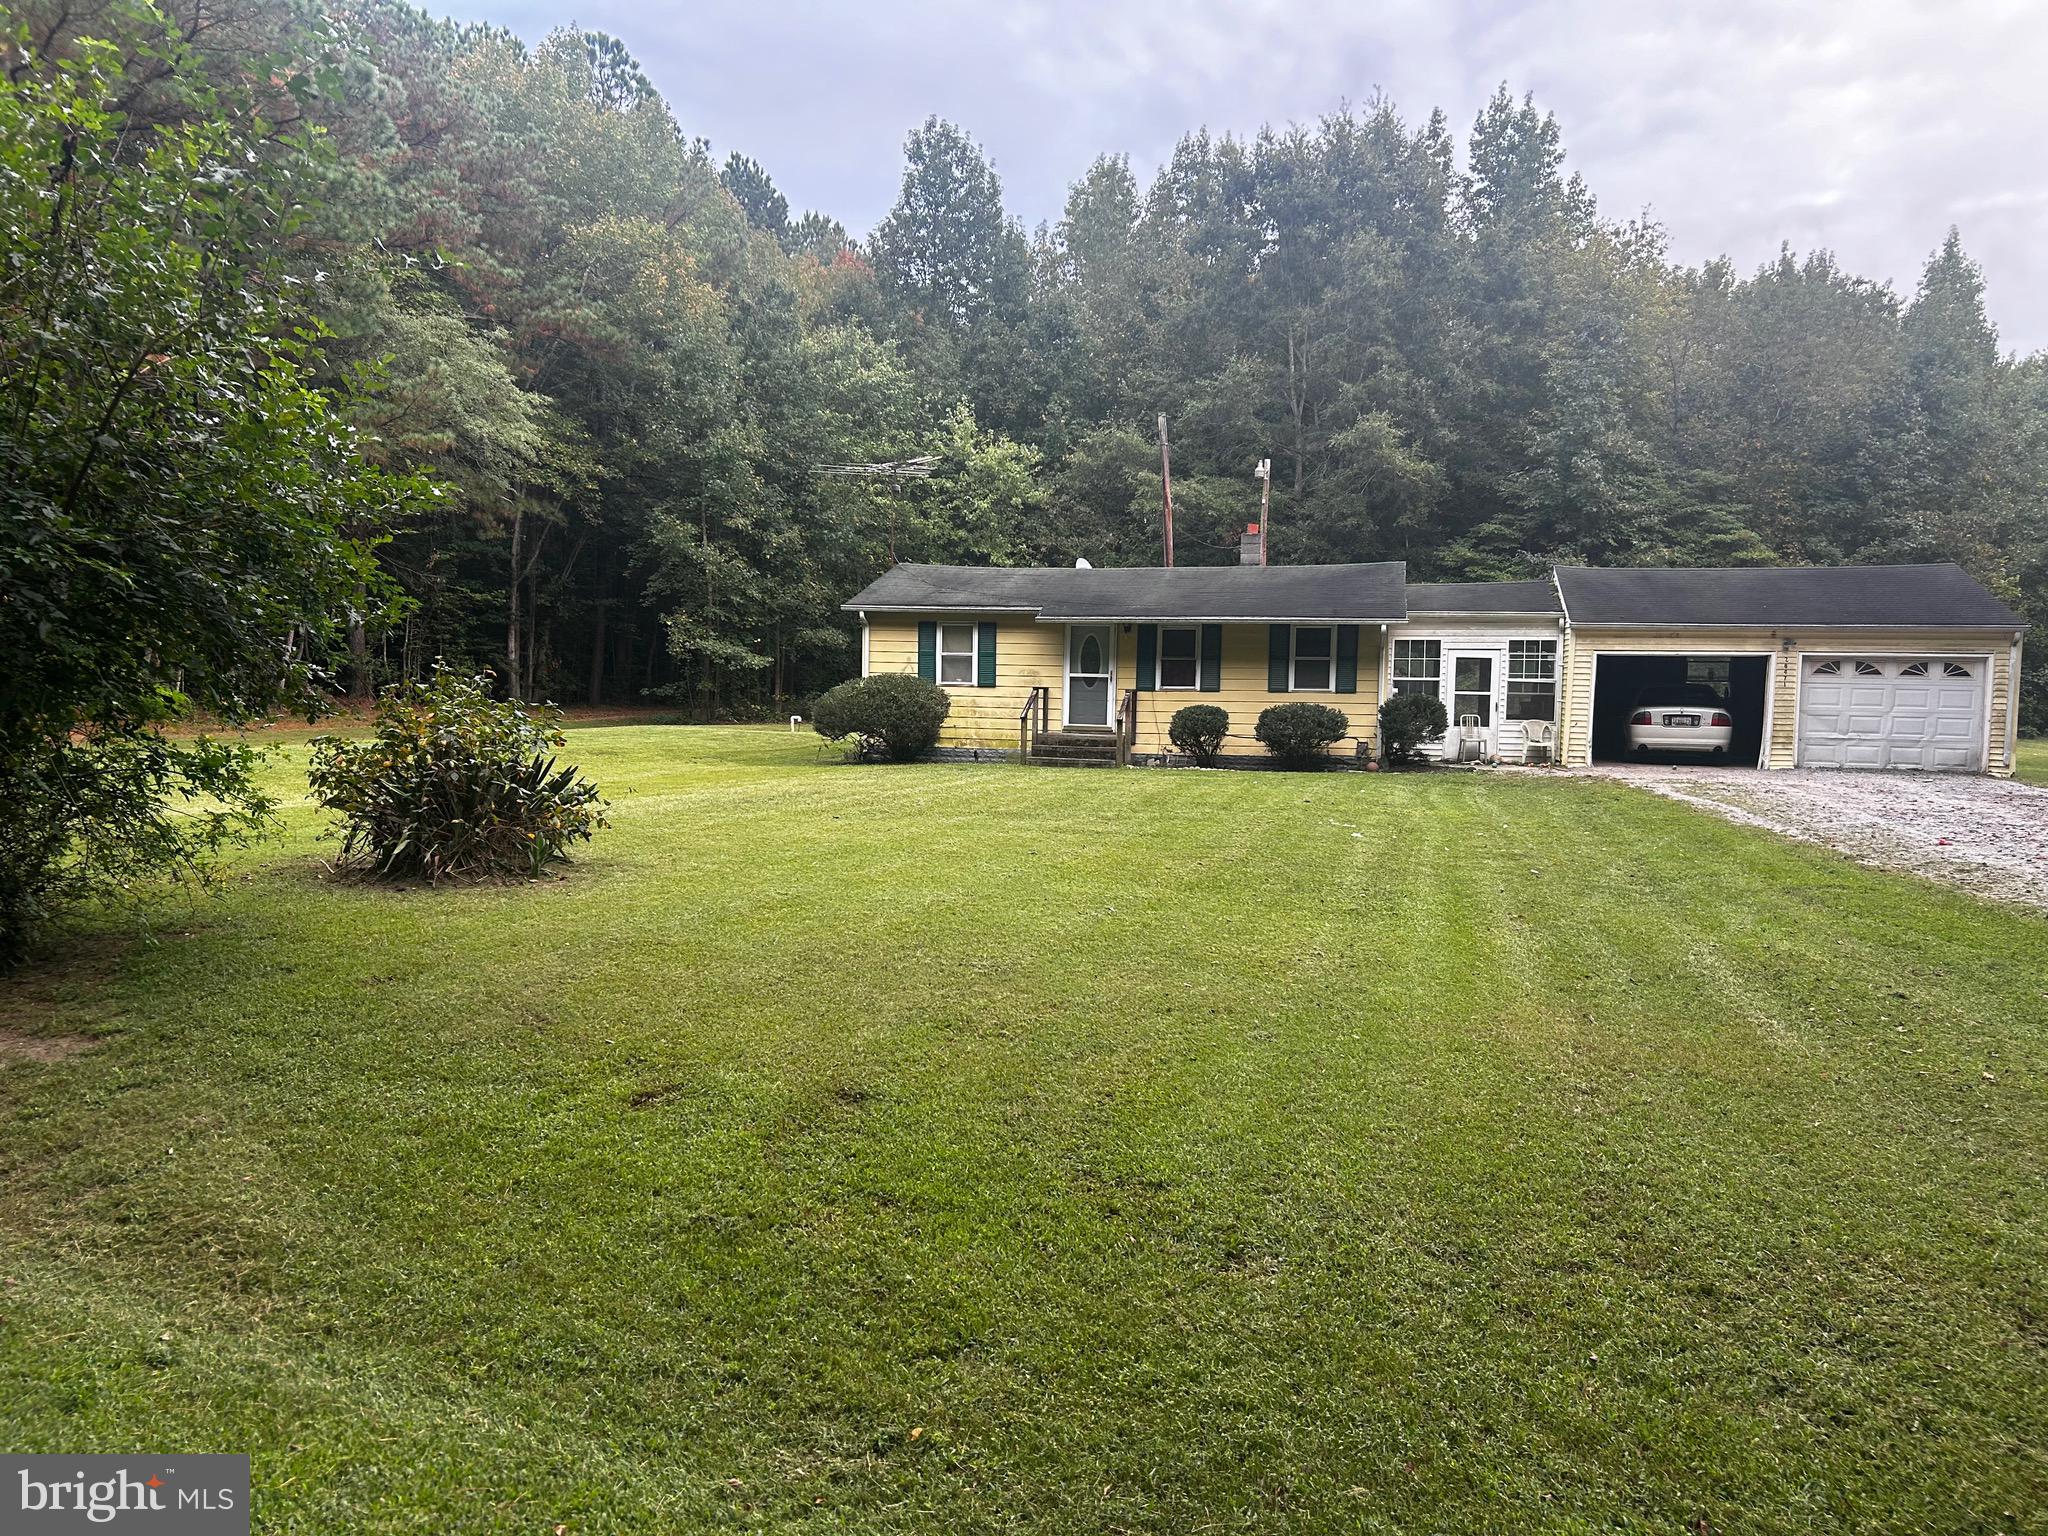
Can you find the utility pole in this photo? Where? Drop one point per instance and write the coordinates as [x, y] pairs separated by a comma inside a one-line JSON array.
[[1265, 474], [1166, 485]]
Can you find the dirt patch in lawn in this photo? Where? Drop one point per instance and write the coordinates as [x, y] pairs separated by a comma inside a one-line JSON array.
[[20, 1045], [43, 1004]]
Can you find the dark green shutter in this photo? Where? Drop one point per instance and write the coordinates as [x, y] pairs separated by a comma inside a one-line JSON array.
[[1277, 637], [928, 650], [985, 667], [1347, 658], [1148, 657], [1212, 658]]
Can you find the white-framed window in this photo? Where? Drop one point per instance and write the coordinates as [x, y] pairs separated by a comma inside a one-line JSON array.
[[1314, 667], [957, 654], [1418, 666], [1532, 679], [1180, 652], [1709, 672]]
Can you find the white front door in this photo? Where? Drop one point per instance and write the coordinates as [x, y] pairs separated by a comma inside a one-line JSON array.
[[1091, 670], [1468, 696], [1892, 712]]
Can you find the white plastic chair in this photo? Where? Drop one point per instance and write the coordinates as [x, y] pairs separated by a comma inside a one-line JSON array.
[[1471, 738], [1539, 736]]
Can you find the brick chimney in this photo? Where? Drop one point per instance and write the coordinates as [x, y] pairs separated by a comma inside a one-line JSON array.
[[1250, 546]]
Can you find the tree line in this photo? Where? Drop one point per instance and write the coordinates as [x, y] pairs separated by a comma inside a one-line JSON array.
[[624, 362]]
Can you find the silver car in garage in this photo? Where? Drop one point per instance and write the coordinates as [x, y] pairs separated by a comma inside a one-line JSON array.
[[1690, 718]]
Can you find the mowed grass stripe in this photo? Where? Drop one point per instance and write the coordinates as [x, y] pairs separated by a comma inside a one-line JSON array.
[[1174, 1150]]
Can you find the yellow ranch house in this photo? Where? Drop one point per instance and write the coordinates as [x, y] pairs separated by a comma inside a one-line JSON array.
[[1904, 666]]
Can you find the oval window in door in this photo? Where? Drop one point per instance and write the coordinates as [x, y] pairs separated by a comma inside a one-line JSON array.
[[1091, 655]]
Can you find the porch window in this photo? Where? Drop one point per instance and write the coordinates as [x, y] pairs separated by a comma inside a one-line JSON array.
[[1315, 653], [1418, 666], [956, 654], [1179, 649], [1532, 679]]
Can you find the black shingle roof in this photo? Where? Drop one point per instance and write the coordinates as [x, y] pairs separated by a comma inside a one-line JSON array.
[[1860, 596], [1261, 593], [1482, 597]]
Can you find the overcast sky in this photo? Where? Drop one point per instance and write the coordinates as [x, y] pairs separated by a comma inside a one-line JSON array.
[[1868, 126]]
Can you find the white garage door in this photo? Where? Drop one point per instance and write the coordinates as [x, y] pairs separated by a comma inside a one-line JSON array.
[[1892, 712]]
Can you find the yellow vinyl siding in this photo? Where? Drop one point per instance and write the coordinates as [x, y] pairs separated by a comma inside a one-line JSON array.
[[1784, 709], [1574, 703], [1243, 692], [1584, 645], [1028, 655], [2000, 762]]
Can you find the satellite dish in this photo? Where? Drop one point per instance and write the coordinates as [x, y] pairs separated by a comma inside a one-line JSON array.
[[1081, 564]]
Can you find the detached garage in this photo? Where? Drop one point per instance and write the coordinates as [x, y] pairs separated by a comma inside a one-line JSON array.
[[1900, 666]]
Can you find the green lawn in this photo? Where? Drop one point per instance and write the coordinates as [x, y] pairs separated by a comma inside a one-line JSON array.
[[985, 1149], [2033, 761]]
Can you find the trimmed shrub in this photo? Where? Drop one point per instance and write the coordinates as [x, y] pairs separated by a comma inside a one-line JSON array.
[[1408, 722], [454, 785], [1197, 730], [891, 715], [1300, 735]]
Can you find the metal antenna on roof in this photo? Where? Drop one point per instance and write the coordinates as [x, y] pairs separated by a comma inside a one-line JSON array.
[[919, 468], [895, 471], [1166, 485]]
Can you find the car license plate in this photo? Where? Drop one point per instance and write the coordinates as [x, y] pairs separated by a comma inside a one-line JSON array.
[[1681, 719]]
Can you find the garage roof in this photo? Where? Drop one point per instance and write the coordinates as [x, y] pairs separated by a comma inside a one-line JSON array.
[[1849, 596], [1374, 593], [1482, 597]]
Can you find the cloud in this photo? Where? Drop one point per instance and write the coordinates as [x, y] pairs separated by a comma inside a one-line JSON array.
[[1868, 126]]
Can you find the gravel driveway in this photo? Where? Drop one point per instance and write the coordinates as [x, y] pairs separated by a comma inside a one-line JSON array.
[[1989, 836]]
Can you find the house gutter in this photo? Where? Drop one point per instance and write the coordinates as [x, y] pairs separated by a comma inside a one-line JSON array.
[[1786, 624], [1566, 664], [940, 608], [1040, 616], [2012, 704], [1530, 615]]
